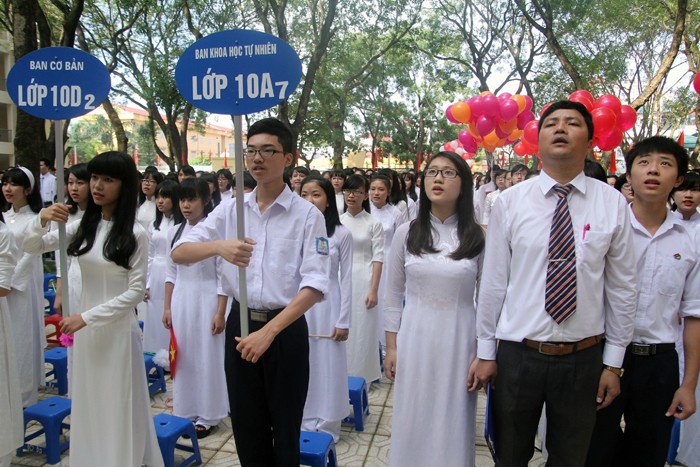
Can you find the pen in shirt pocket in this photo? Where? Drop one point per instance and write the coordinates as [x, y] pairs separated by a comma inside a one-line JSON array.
[[586, 228]]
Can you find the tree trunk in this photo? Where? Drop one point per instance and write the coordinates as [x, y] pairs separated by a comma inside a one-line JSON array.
[[117, 126]]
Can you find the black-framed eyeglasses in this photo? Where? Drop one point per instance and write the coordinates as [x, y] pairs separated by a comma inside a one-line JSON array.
[[446, 173], [265, 152], [353, 192]]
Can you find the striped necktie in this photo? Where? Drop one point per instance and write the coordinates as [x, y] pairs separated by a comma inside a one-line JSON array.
[[560, 292]]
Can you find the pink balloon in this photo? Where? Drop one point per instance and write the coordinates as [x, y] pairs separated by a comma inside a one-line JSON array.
[[489, 103], [530, 133], [528, 104], [696, 82], [450, 117], [610, 140], [476, 104], [504, 96], [627, 118], [509, 109], [500, 133], [468, 141], [524, 118], [609, 101], [485, 125]]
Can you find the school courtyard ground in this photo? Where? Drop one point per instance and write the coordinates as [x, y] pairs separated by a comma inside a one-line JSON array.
[[369, 448]]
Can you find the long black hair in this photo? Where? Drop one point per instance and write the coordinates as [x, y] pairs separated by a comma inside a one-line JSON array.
[[121, 241], [216, 194], [168, 189], [16, 176], [386, 180], [470, 233], [330, 214], [357, 182], [193, 188], [411, 192], [79, 171]]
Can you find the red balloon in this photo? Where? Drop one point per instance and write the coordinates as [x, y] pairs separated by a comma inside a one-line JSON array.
[[610, 140], [627, 118], [582, 93], [530, 133], [500, 133], [609, 101], [530, 148], [520, 149], [581, 99], [603, 120], [485, 125], [696, 82], [450, 117], [509, 109]]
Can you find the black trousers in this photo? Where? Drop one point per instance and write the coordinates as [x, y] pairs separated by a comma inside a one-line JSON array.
[[267, 398], [648, 387], [528, 379]]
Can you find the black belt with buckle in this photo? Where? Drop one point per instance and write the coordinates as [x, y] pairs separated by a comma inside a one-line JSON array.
[[647, 350], [263, 316], [560, 349]]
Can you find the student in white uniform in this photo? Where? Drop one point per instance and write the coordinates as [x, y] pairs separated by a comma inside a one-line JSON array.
[[367, 258], [156, 337], [12, 426], [337, 180], [286, 253], [146, 213], [668, 269], [26, 299], [225, 179], [391, 218], [686, 199], [107, 352], [499, 178], [431, 343], [195, 309], [329, 321]]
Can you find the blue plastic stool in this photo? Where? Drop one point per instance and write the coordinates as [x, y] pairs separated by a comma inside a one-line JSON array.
[[50, 413], [49, 282], [359, 400], [155, 379], [49, 298], [58, 358], [317, 449], [675, 441], [169, 428]]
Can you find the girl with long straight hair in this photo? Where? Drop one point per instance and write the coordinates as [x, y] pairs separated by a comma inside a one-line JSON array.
[[155, 337], [195, 311], [112, 250], [367, 258], [146, 213], [329, 321], [26, 299], [431, 341]]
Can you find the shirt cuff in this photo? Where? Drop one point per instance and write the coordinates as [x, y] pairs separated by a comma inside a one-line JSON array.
[[486, 349], [392, 320], [613, 355]]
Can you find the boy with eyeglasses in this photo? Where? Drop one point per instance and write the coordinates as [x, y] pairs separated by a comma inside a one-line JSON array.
[[286, 256]]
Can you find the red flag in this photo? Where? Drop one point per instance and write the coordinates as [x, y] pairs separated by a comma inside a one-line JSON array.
[[225, 161], [136, 156], [172, 353], [527, 159], [681, 138], [183, 157], [419, 160], [503, 160]]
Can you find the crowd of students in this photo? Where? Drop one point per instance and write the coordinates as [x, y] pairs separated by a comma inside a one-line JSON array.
[[351, 268]]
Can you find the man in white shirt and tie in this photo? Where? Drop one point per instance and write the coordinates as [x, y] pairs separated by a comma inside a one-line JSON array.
[[558, 295], [47, 182]]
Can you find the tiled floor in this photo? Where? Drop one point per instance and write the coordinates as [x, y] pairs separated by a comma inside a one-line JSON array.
[[369, 448]]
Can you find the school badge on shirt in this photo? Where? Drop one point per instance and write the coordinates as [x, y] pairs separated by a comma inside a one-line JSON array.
[[322, 246]]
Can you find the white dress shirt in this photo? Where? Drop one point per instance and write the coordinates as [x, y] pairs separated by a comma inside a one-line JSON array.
[[668, 275], [488, 206], [48, 187], [512, 291], [289, 253], [480, 199]]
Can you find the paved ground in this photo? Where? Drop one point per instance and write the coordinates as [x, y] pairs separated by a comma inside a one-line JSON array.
[[369, 448]]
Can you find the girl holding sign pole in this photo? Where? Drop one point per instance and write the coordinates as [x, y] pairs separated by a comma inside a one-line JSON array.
[[25, 301], [111, 422]]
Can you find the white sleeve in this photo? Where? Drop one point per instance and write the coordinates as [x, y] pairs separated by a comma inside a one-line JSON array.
[[396, 281], [125, 302], [345, 278]]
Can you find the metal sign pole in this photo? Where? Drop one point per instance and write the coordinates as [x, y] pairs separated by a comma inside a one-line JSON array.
[[62, 255], [240, 219]]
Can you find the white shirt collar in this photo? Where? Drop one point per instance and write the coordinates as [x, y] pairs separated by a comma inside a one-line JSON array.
[[546, 182]]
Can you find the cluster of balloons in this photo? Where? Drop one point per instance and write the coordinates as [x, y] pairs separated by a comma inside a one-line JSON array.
[[492, 121], [610, 120]]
